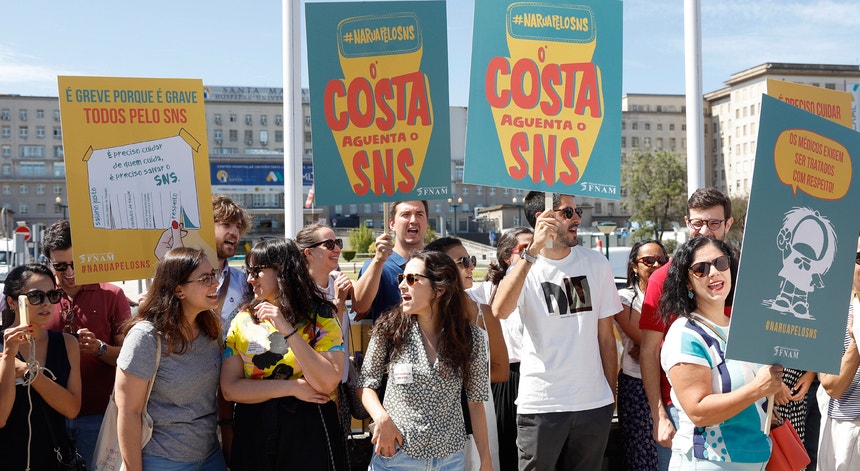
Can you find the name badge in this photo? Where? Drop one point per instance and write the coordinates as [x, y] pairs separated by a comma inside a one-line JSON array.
[[402, 373]]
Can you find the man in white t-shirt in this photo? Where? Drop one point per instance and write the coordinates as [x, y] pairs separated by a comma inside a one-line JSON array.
[[567, 300]]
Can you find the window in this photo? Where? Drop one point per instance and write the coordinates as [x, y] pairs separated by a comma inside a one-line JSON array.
[[635, 141], [58, 152], [233, 118], [672, 143], [23, 189], [249, 120], [217, 134], [635, 126], [40, 189], [40, 132], [752, 110], [279, 136], [437, 208], [22, 115], [279, 120], [610, 208], [659, 142], [308, 137], [32, 169], [4, 114], [623, 125], [380, 208], [7, 170], [6, 132], [58, 132], [217, 119], [353, 209], [7, 152], [40, 114], [234, 135], [56, 115], [264, 137], [249, 137], [598, 208], [647, 126], [465, 208], [646, 141], [506, 191], [7, 190], [684, 127], [58, 189], [479, 190], [24, 208], [31, 151], [59, 169], [40, 208], [264, 120], [830, 86], [659, 126], [465, 190], [623, 141], [492, 191], [23, 132], [672, 126]]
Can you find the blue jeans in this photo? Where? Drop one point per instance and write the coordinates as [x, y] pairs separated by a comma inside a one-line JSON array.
[[83, 432], [664, 455], [403, 462], [214, 462]]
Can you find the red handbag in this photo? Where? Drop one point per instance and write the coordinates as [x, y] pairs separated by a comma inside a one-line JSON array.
[[788, 452]]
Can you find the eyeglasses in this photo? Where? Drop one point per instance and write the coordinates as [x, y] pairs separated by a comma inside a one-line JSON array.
[[61, 267], [701, 269], [467, 262], [254, 271], [519, 248], [208, 279], [568, 212], [650, 260], [38, 296], [713, 224], [328, 243], [411, 278]]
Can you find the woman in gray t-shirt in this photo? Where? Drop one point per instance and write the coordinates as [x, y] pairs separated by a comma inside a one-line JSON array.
[[183, 401]]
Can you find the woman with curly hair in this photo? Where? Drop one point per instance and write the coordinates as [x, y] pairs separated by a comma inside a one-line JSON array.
[[429, 352], [720, 402], [178, 315], [288, 335]]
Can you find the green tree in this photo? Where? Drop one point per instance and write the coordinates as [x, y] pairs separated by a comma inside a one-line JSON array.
[[430, 236], [740, 204], [656, 186], [360, 239]]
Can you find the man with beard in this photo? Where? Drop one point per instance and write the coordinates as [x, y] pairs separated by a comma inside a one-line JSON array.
[[567, 300], [231, 222], [95, 313], [376, 290]]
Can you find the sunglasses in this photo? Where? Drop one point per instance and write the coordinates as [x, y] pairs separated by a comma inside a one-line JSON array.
[[37, 296], [411, 278], [328, 244], [467, 262], [519, 248], [701, 269], [63, 266], [713, 224], [254, 271], [208, 279], [568, 212], [857, 260], [650, 260]]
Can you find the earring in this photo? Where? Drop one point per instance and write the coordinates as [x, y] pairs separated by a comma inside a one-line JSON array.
[[690, 294]]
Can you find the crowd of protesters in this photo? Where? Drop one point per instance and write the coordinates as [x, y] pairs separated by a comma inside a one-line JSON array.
[[243, 370]]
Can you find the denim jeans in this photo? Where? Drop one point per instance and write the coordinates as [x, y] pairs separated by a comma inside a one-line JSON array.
[[403, 462], [83, 431], [214, 462]]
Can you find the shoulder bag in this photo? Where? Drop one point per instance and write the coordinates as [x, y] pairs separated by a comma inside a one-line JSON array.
[[107, 455]]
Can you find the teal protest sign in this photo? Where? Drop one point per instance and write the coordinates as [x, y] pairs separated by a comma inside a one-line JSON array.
[[378, 76], [545, 97], [797, 262]]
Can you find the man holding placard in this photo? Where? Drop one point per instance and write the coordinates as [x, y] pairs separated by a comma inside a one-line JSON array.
[[567, 300]]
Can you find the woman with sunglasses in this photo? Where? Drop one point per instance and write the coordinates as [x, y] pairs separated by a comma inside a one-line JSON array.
[[508, 250], [283, 360], [634, 414], [39, 369], [721, 403], [426, 352], [479, 314], [177, 315]]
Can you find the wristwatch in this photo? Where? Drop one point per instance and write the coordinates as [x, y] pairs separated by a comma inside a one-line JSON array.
[[525, 255], [102, 348]]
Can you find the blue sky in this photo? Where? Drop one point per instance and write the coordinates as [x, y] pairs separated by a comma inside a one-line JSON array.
[[239, 43]]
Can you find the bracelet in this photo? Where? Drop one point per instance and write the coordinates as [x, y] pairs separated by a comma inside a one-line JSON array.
[[224, 422], [287, 337]]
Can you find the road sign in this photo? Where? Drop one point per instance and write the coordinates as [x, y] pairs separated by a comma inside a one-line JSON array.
[[23, 230]]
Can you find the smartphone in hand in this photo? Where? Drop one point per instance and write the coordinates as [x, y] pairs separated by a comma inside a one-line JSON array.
[[23, 310]]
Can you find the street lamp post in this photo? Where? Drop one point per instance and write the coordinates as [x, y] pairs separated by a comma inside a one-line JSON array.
[[60, 204], [455, 203], [519, 204], [606, 228]]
